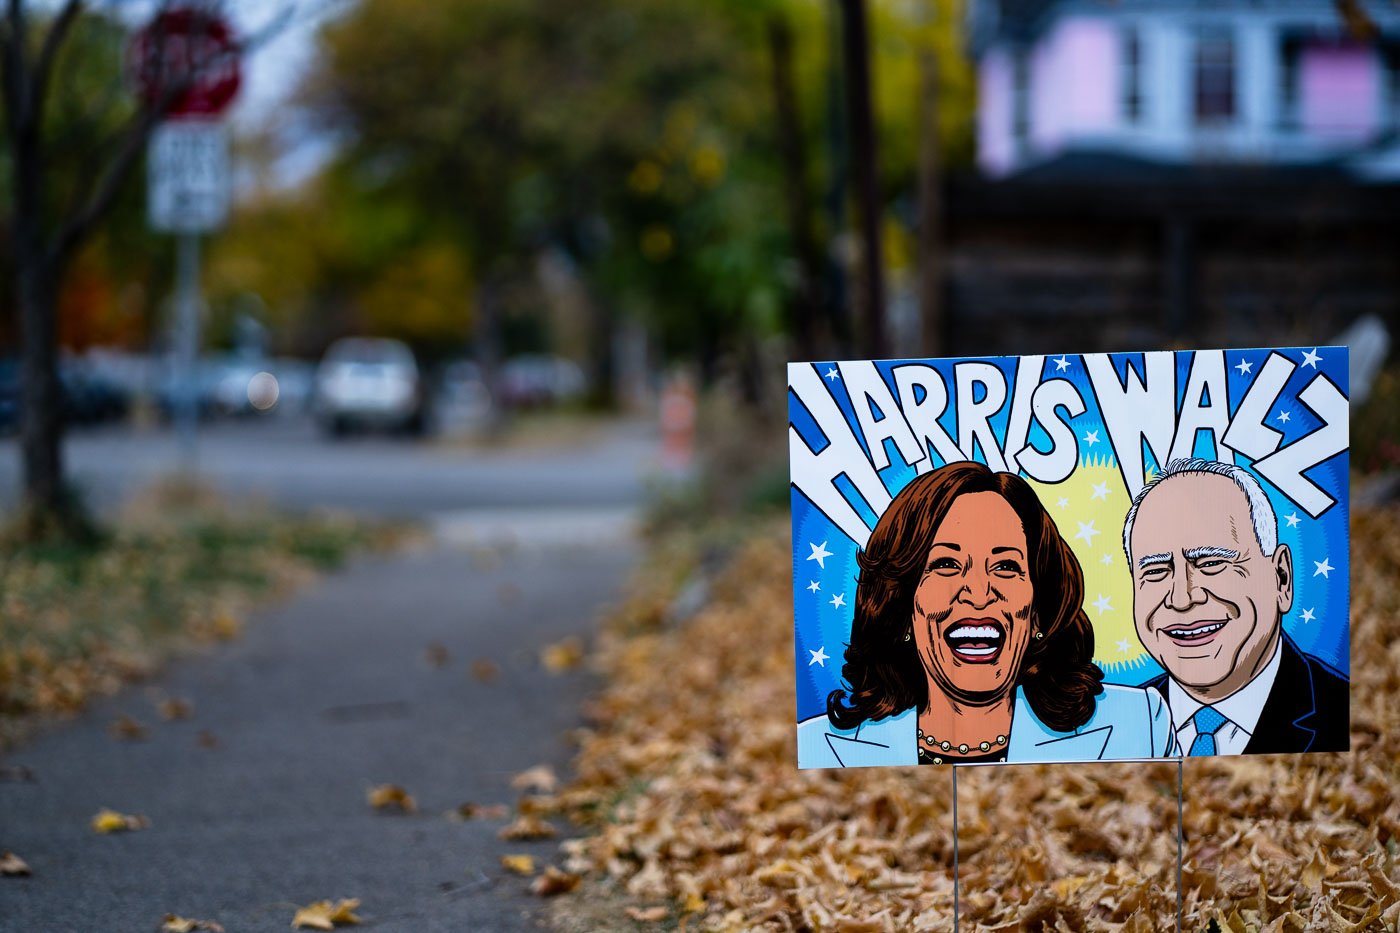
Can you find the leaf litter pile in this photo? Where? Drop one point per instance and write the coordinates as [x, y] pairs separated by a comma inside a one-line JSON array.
[[698, 818]]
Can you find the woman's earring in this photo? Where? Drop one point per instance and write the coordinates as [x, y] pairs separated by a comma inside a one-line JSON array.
[[908, 635], [1039, 635]]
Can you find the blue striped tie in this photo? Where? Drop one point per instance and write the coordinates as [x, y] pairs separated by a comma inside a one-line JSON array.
[[1208, 722]]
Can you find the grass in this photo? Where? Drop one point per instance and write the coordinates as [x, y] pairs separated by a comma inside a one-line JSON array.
[[178, 568]]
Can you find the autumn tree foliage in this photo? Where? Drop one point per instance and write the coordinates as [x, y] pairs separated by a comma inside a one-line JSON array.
[[678, 155]]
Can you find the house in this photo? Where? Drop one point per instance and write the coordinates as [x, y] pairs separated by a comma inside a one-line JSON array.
[[1183, 82]]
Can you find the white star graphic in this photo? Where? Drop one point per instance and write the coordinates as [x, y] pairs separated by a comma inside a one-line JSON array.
[[838, 601], [1061, 365], [1323, 568], [1292, 520], [1101, 604], [1123, 647], [1106, 560], [814, 587], [1244, 367], [1087, 532], [1062, 502], [1310, 357], [832, 374], [1308, 615], [818, 657], [1283, 417], [1100, 492], [819, 554], [1091, 437]]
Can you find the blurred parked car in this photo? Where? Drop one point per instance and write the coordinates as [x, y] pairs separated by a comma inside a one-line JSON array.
[[534, 380], [85, 396], [366, 382], [88, 396]]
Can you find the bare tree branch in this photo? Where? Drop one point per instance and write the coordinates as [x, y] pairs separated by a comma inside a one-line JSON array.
[[131, 142], [129, 150], [43, 65]]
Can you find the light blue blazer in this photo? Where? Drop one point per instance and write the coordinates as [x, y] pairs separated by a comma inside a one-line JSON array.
[[1128, 722]]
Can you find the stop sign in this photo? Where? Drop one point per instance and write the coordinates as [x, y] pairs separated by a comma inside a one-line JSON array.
[[189, 55]]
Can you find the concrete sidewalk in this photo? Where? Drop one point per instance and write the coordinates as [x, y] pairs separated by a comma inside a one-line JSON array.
[[321, 699]]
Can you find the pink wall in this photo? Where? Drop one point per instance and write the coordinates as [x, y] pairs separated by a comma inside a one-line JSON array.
[[1075, 75], [1339, 91], [995, 149]]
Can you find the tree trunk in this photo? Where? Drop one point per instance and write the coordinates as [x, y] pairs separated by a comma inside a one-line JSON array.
[[602, 364], [806, 306], [41, 409], [865, 167], [36, 295], [930, 212]]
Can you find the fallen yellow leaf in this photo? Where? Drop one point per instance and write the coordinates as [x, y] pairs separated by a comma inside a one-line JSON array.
[[344, 911], [386, 796], [315, 916], [476, 811], [520, 864], [562, 655], [553, 882], [206, 739], [110, 821], [540, 778], [528, 827], [124, 727], [11, 864], [485, 670], [226, 626], [171, 709], [323, 915], [647, 915], [693, 903]]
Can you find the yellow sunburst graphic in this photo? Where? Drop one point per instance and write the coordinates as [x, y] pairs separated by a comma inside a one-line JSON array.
[[1089, 508]]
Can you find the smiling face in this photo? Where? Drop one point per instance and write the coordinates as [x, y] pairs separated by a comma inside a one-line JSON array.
[[972, 606], [1206, 601]]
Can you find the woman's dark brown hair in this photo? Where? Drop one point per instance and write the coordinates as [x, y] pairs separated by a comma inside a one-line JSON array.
[[1058, 676]]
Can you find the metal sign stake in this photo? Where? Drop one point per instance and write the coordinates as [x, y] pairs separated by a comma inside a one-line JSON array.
[[1179, 847], [955, 848], [1178, 844]]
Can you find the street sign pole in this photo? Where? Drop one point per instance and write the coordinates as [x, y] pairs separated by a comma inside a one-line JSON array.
[[187, 59], [186, 355]]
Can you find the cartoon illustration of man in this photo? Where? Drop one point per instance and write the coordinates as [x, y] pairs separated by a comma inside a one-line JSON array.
[[1211, 585]]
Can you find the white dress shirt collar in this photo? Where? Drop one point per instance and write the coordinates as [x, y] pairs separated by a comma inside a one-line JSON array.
[[1242, 708]]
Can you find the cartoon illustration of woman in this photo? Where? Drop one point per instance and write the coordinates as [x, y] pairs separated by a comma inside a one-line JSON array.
[[970, 642]]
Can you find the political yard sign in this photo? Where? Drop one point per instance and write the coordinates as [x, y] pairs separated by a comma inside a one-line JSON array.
[[1083, 557]]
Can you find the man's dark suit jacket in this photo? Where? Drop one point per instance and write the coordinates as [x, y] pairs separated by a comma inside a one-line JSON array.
[[1308, 709]]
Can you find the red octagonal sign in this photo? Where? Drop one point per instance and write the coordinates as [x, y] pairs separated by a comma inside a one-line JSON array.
[[189, 56]]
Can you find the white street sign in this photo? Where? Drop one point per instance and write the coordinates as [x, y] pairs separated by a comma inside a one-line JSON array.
[[188, 174]]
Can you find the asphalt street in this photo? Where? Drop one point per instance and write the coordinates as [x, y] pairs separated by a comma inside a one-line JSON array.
[[333, 693], [287, 461]]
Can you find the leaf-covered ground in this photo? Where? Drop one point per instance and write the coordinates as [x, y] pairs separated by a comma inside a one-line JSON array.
[[178, 566], [698, 819]]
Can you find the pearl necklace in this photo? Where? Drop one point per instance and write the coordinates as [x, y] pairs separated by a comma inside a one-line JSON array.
[[964, 748]]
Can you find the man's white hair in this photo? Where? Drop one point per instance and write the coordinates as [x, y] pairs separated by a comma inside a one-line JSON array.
[[1261, 512]]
